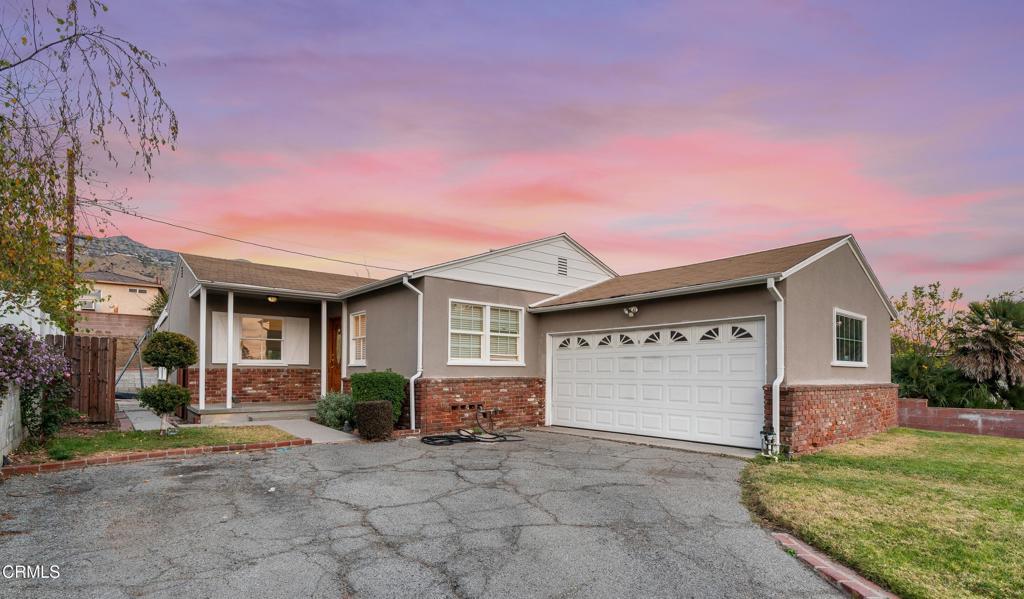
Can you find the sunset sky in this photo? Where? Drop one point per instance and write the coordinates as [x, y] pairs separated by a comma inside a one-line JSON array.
[[657, 134]]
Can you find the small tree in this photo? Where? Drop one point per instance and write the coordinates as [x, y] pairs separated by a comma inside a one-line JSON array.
[[171, 351], [925, 317]]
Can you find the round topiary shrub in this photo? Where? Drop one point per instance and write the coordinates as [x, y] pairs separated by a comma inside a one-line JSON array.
[[164, 399], [374, 418], [170, 350]]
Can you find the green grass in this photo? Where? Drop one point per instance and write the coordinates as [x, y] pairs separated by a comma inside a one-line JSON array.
[[66, 447], [926, 514]]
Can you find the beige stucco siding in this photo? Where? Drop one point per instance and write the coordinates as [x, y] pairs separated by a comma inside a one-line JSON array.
[[117, 298], [835, 281], [390, 330], [438, 292], [727, 304]]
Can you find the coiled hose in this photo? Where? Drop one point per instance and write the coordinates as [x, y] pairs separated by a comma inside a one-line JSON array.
[[468, 436]]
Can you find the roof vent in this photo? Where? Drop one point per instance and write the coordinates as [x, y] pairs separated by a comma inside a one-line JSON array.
[[563, 266]]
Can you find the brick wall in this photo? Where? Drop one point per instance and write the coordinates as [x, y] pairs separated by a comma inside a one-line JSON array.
[[915, 413], [105, 324], [813, 417], [448, 404], [258, 384]]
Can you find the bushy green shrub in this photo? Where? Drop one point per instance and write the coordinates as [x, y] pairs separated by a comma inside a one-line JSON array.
[[334, 409], [374, 419], [164, 398], [380, 386], [170, 350], [44, 409], [934, 379]]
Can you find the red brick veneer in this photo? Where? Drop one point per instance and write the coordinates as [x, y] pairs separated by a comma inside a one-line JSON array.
[[444, 405], [816, 416], [915, 413], [258, 384]]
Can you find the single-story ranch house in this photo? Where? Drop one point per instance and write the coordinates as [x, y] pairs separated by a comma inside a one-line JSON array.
[[793, 339]]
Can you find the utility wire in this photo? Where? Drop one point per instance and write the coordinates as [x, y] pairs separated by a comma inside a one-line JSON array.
[[235, 239]]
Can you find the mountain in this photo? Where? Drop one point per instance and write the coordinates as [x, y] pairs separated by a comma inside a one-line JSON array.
[[123, 255]]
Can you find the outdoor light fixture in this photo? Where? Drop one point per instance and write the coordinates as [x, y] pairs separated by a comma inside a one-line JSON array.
[[272, 299], [630, 311]]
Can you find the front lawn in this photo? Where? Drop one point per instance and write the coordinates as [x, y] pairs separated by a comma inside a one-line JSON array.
[[927, 514], [81, 442]]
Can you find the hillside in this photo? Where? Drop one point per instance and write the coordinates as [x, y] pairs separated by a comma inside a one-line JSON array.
[[124, 255]]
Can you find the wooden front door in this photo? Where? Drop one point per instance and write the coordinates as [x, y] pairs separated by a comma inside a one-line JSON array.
[[334, 354]]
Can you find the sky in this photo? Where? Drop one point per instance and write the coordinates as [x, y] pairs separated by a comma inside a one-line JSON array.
[[403, 134]]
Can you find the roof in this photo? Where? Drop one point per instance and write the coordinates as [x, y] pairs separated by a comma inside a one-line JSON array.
[[264, 276], [747, 267], [105, 276]]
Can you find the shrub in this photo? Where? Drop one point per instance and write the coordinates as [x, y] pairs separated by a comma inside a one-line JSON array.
[[380, 386], [164, 399], [44, 408], [29, 361], [170, 350], [934, 379], [334, 409], [375, 421]]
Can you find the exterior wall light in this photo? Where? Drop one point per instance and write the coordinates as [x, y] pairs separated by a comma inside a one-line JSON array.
[[272, 299], [630, 311]]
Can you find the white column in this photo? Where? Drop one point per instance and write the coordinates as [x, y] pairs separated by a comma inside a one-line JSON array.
[[323, 348], [202, 348], [229, 374]]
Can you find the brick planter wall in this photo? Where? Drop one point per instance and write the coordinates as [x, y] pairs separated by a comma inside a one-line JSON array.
[[813, 417], [915, 413], [256, 384], [446, 405]]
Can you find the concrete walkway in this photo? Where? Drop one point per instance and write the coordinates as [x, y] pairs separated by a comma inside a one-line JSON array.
[[141, 418], [304, 429], [723, 450]]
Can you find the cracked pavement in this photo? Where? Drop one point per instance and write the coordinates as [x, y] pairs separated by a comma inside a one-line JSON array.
[[553, 516]]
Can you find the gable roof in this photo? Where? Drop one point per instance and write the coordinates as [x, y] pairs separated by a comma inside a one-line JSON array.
[[106, 276], [240, 273], [746, 269]]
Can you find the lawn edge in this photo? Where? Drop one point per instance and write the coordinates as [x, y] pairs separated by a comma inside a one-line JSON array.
[[139, 456], [837, 573]]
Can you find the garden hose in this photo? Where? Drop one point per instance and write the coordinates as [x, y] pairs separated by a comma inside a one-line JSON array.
[[468, 436]]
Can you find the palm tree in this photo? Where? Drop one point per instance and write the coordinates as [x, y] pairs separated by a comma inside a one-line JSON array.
[[989, 343]]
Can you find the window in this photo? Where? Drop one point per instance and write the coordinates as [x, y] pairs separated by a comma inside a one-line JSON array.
[[849, 334], [606, 340], [90, 301], [740, 333], [654, 337], [581, 342], [261, 338], [357, 339], [677, 337], [136, 290], [565, 344], [710, 335], [485, 334], [625, 340]]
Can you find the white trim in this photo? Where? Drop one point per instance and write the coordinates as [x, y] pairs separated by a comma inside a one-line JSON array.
[[243, 362], [203, 315], [189, 267], [780, 364], [548, 369], [821, 254], [351, 358], [230, 361], [520, 246], [864, 342], [323, 348], [745, 282], [419, 352], [659, 325], [343, 358], [485, 336]]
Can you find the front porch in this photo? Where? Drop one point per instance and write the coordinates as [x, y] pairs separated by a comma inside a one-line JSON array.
[[248, 412]]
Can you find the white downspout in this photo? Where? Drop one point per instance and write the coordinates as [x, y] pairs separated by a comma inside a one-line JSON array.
[[419, 351], [780, 362]]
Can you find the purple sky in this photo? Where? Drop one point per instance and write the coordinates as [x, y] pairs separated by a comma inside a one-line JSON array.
[[655, 133]]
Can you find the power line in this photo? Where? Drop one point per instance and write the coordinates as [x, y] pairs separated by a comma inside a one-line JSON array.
[[236, 240]]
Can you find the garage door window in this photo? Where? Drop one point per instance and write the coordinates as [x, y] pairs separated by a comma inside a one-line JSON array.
[[486, 335], [848, 348]]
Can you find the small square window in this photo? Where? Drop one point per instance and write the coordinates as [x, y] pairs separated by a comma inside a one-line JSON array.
[[849, 339]]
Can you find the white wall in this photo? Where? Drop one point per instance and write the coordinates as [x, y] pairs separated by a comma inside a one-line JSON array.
[[11, 431], [33, 319]]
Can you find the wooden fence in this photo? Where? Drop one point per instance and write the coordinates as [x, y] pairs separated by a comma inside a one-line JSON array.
[[93, 373]]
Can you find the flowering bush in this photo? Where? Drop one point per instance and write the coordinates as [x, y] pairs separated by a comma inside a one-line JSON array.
[[28, 361]]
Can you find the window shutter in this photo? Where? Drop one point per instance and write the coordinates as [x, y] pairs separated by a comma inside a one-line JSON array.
[[219, 330], [296, 341]]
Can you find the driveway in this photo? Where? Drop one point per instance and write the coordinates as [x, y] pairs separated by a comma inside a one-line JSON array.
[[555, 515]]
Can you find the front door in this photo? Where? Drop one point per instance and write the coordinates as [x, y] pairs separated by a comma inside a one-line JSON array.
[[334, 354]]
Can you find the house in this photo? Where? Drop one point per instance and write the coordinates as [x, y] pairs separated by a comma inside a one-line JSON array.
[[792, 339], [117, 306]]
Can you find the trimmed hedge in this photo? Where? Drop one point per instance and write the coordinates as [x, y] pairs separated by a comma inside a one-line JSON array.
[[374, 419], [380, 386], [164, 398]]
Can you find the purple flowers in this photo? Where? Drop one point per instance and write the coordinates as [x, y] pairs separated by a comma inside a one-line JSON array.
[[27, 361]]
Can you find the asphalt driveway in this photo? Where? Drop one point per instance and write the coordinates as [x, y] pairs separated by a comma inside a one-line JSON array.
[[556, 515]]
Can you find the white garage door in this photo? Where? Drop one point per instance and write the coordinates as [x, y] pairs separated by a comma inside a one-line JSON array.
[[696, 383]]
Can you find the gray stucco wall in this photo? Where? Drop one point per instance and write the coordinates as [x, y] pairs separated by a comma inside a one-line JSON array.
[[390, 329], [835, 281], [182, 311], [726, 304], [438, 291]]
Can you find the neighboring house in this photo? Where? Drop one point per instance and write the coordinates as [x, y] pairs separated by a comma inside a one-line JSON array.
[[117, 306], [546, 333]]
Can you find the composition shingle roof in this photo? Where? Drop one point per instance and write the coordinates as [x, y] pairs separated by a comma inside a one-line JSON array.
[[105, 276], [240, 272], [746, 266]]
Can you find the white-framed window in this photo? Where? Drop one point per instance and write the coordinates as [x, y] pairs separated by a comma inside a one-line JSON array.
[[261, 339], [357, 339], [849, 339], [136, 290], [484, 334]]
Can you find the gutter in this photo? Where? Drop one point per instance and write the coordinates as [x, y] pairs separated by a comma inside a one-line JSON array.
[[775, 433], [419, 351], [278, 291]]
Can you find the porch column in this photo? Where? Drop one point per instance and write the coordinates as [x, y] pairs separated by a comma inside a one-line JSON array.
[[323, 348], [229, 375], [202, 348]]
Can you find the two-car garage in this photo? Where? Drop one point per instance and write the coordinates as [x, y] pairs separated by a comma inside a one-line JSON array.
[[694, 382]]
